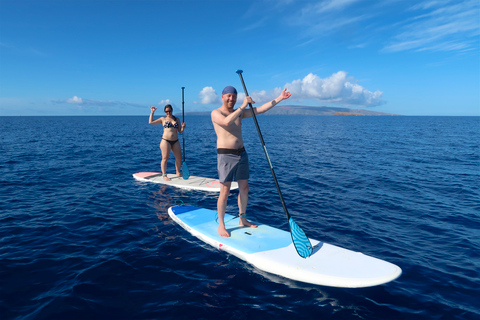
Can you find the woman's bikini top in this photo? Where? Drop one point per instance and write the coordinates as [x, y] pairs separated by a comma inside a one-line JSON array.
[[168, 124]]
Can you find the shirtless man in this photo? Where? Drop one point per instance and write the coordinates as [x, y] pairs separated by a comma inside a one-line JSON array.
[[232, 159]]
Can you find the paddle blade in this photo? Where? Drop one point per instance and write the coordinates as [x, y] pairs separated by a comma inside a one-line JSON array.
[[300, 241], [185, 172]]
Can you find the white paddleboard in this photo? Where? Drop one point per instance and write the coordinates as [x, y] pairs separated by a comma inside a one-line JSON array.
[[271, 250], [193, 182]]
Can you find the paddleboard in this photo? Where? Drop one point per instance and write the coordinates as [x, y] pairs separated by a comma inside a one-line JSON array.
[[271, 250], [193, 182]]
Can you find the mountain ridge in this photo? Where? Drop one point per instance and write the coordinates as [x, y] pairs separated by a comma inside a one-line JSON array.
[[314, 111]]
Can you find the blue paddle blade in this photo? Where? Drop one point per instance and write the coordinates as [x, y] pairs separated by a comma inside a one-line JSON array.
[[185, 172], [300, 241]]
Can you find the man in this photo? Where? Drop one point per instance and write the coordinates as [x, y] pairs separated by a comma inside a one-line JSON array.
[[231, 155]]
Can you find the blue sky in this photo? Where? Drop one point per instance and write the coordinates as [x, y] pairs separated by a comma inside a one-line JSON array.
[[85, 57]]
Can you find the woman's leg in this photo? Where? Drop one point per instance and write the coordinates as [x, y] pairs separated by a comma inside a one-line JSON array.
[[177, 152], [165, 148]]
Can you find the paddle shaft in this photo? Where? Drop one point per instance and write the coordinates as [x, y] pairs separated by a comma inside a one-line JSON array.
[[265, 148], [183, 120]]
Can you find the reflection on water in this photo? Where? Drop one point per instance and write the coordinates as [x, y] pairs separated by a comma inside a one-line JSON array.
[[162, 201]]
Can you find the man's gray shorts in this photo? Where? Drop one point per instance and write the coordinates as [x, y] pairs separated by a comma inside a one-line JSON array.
[[232, 166]]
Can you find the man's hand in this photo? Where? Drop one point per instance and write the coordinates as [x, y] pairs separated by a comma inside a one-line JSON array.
[[246, 101], [285, 94]]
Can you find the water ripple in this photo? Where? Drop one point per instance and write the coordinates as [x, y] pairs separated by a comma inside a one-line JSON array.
[[82, 239]]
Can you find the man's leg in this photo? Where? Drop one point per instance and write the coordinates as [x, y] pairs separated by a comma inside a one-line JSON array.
[[222, 207], [243, 189]]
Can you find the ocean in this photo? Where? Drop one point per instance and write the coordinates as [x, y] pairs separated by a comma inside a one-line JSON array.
[[81, 239]]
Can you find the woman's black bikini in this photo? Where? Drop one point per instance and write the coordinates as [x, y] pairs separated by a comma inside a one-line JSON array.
[[168, 124], [171, 142]]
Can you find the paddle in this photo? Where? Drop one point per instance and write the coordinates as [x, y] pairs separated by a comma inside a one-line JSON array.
[[185, 171], [300, 241]]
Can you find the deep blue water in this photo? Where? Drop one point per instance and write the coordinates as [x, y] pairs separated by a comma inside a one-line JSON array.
[[81, 239]]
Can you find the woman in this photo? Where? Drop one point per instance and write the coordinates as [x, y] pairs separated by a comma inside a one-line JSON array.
[[169, 142]]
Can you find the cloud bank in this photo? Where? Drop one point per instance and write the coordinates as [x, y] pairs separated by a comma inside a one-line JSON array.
[[339, 89], [96, 103], [408, 25], [439, 26]]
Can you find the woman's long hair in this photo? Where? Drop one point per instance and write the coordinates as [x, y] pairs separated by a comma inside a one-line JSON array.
[[170, 106]]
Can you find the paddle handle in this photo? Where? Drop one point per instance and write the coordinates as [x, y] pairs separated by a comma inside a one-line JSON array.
[[264, 147], [183, 120]]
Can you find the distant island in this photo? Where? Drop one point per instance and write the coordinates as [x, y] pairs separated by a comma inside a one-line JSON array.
[[315, 111], [347, 114], [323, 111]]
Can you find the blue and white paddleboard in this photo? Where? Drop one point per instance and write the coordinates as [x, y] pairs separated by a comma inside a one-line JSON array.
[[271, 250], [192, 183]]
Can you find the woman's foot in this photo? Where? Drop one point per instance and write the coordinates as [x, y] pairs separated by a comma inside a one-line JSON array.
[[166, 178]]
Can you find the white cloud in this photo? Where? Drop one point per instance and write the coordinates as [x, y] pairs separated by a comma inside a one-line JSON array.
[[74, 100], [208, 95], [260, 96], [429, 25], [258, 24], [96, 103], [332, 5], [323, 18], [337, 89], [165, 102], [439, 26]]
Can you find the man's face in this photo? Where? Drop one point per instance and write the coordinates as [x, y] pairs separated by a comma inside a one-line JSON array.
[[229, 99]]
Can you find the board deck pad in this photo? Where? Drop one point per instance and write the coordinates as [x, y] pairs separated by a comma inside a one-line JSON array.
[[271, 250], [192, 183]]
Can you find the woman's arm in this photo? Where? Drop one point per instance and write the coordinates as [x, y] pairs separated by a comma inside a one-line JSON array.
[[181, 128], [150, 119]]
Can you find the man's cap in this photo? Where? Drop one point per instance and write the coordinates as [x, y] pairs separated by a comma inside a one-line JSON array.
[[229, 89]]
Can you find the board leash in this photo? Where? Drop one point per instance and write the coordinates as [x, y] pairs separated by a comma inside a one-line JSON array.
[[216, 218], [179, 202]]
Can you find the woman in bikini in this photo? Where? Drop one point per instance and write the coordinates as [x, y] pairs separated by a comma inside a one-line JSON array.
[[171, 128]]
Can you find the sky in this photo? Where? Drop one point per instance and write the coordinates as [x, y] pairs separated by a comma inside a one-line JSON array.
[[105, 57]]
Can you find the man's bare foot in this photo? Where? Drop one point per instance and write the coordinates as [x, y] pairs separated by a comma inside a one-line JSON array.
[[166, 178], [223, 232], [244, 222]]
